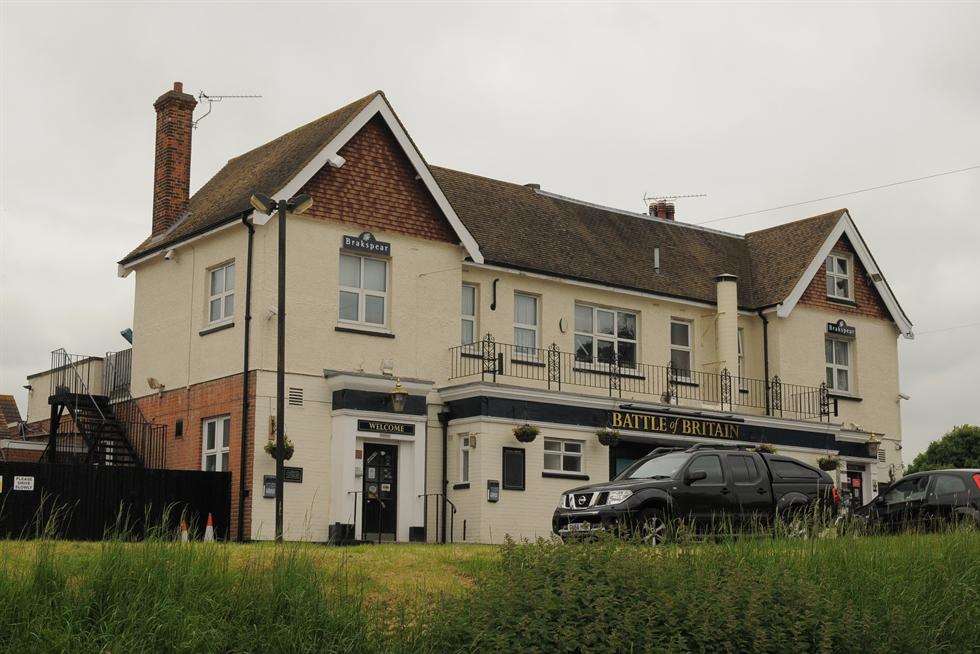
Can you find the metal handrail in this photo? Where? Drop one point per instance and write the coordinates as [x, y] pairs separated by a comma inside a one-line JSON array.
[[488, 359]]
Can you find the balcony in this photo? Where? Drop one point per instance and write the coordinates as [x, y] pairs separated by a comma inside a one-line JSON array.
[[551, 368]]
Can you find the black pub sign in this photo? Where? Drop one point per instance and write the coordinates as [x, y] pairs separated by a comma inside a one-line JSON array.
[[679, 425], [841, 328], [386, 427], [365, 242]]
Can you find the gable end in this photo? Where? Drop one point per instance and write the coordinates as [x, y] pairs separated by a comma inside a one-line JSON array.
[[867, 300], [377, 188]]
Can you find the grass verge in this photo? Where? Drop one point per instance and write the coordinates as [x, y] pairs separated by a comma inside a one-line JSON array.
[[885, 593]]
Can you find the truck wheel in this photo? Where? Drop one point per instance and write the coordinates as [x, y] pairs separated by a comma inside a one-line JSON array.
[[651, 527]]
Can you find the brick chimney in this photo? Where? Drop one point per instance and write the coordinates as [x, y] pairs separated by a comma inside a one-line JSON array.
[[662, 209], [172, 163]]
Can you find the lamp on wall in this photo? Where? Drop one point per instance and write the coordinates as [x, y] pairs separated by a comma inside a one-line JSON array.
[[398, 397]]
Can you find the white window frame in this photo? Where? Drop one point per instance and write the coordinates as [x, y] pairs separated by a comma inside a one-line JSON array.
[[465, 458], [614, 337], [563, 454], [834, 366], [362, 292], [831, 268], [471, 318], [222, 435], [689, 348], [519, 349], [221, 296]]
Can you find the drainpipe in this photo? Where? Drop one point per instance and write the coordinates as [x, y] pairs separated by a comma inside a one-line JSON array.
[[765, 357], [444, 421], [242, 490]]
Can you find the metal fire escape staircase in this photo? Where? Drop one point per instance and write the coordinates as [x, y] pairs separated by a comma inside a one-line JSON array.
[[99, 436]]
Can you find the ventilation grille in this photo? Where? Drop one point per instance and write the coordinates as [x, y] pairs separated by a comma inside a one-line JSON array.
[[881, 454], [295, 396]]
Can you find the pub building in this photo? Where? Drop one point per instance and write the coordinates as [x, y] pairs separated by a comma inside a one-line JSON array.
[[454, 342]]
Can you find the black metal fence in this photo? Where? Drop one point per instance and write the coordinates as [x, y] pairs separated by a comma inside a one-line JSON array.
[[91, 502], [489, 359]]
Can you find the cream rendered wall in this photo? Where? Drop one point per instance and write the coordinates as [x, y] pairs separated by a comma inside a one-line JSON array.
[[423, 303], [170, 310], [519, 514], [305, 505], [558, 299], [800, 359]]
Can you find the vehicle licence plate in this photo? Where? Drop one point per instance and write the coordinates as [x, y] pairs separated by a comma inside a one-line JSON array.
[[579, 526]]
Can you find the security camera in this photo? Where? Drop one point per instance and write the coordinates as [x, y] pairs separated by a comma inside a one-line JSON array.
[[336, 161], [903, 396], [169, 254]]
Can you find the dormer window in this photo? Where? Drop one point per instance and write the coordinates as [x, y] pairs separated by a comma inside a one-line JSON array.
[[840, 278]]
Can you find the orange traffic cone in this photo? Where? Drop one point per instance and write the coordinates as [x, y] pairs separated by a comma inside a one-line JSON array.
[[209, 530], [184, 536]]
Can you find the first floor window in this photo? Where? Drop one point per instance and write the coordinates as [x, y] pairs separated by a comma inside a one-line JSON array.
[[526, 324], [603, 335], [464, 457], [216, 433], [839, 277], [363, 289], [562, 455], [221, 295], [468, 314], [838, 356], [681, 359]]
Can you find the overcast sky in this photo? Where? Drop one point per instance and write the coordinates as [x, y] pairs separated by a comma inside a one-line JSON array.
[[754, 105]]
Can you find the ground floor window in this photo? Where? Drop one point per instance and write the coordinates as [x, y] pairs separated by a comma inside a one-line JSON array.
[[513, 472], [464, 457], [562, 455], [216, 433]]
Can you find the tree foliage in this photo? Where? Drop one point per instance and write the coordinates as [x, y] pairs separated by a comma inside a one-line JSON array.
[[959, 448]]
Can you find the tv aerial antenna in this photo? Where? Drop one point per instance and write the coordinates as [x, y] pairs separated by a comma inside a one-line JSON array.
[[211, 99], [649, 198]]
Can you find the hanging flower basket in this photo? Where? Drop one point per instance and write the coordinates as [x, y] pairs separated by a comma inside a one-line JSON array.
[[765, 447], [608, 437], [287, 446], [828, 463], [526, 433]]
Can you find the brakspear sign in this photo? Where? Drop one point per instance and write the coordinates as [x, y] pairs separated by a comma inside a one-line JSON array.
[[677, 425]]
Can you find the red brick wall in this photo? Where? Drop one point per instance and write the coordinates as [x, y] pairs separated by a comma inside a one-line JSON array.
[[377, 189], [867, 300], [19, 455], [193, 405]]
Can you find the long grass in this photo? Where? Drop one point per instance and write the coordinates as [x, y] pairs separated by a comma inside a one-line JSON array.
[[909, 593]]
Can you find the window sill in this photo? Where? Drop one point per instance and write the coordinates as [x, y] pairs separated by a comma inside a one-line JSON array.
[[623, 372], [564, 475], [216, 328], [743, 390], [844, 396], [461, 486], [471, 355], [844, 301], [685, 382], [364, 331]]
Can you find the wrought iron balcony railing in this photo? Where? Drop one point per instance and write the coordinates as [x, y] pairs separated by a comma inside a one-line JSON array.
[[489, 359]]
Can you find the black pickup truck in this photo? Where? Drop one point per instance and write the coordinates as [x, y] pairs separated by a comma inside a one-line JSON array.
[[703, 486]]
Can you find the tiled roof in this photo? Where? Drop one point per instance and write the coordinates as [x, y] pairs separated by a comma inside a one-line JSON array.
[[518, 226], [9, 414], [267, 169]]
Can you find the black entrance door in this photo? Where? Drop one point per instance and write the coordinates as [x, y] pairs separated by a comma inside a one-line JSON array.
[[380, 492]]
